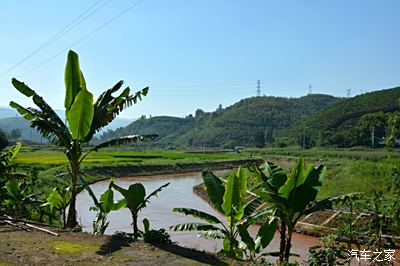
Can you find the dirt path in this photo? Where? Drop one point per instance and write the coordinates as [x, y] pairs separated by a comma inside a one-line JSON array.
[[36, 248]]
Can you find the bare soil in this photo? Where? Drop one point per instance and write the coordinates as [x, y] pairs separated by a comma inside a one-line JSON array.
[[18, 247]]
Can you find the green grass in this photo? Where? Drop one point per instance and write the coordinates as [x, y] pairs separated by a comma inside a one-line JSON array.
[[358, 176], [330, 155], [121, 157], [71, 247]]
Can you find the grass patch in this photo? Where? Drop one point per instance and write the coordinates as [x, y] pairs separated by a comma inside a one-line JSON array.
[[358, 176], [72, 248]]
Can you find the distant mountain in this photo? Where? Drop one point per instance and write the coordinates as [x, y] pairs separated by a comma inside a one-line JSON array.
[[250, 122], [348, 122], [7, 112], [10, 119], [10, 123]]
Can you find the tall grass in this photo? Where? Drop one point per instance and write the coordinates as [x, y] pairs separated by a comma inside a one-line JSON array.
[[358, 176]]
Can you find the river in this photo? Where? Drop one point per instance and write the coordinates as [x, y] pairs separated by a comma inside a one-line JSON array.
[[178, 194]]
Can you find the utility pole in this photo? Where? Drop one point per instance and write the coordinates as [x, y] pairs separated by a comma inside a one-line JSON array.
[[258, 88], [204, 143], [348, 93], [204, 137], [372, 136]]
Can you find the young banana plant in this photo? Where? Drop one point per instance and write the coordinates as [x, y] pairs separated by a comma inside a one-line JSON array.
[[135, 200], [231, 200], [103, 206]]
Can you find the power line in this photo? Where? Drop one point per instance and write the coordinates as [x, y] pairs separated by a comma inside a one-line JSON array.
[[67, 28], [84, 37]]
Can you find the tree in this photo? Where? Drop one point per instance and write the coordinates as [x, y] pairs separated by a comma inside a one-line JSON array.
[[84, 116], [3, 140], [375, 122], [394, 129]]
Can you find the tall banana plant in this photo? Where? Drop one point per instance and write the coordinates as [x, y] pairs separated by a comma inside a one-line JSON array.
[[290, 196], [84, 116]]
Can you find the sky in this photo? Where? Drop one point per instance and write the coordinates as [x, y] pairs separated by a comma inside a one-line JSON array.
[[200, 53]]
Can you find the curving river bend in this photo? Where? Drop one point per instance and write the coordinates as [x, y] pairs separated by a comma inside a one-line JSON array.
[[178, 194]]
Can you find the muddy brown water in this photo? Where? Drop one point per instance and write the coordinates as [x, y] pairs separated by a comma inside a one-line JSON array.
[[178, 194]]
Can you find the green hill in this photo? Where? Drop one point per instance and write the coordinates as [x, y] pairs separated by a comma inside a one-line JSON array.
[[349, 122], [250, 122], [27, 133]]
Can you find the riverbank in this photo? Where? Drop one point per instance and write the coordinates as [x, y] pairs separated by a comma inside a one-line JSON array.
[[105, 172]]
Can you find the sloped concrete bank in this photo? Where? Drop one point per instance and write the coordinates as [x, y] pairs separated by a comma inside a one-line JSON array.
[[106, 172]]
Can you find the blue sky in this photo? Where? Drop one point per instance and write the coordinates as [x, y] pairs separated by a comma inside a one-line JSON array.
[[199, 54]]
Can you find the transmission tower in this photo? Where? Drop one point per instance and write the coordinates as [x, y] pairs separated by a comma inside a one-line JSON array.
[[348, 93], [309, 89], [258, 88]]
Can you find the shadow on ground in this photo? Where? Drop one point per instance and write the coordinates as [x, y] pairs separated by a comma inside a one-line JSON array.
[[114, 243], [189, 253], [118, 241]]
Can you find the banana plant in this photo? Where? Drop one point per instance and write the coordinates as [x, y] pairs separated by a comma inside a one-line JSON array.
[[18, 198], [290, 196], [85, 117], [7, 173], [231, 200], [135, 200], [58, 201], [103, 206]]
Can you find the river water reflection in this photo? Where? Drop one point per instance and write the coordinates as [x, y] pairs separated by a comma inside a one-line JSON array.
[[178, 194]]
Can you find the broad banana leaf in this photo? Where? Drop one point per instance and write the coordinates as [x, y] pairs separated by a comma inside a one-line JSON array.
[[198, 214], [212, 234], [80, 115], [73, 78], [235, 196], [152, 194], [124, 140], [134, 195], [215, 189], [194, 227]]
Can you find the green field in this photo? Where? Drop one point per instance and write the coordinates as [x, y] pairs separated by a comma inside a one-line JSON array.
[[50, 157], [348, 170]]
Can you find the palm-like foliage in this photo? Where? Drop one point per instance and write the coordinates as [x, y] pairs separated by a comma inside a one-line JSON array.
[[6, 172], [290, 196], [84, 117], [135, 200], [103, 206], [230, 199]]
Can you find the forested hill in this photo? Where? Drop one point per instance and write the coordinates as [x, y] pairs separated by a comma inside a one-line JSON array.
[[250, 122], [348, 122]]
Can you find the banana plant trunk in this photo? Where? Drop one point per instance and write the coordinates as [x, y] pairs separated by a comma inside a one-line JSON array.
[[288, 242], [134, 224], [71, 219], [282, 246]]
